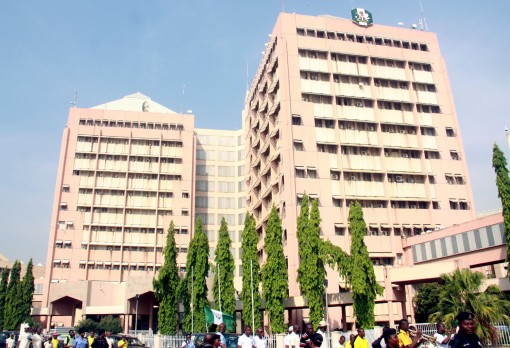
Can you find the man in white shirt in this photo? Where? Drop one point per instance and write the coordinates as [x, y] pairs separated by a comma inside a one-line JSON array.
[[24, 338], [246, 339], [288, 338], [10, 341], [260, 341], [442, 337], [222, 328], [323, 327], [37, 339]]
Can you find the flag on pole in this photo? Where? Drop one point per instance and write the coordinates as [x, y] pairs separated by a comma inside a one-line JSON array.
[[213, 316]]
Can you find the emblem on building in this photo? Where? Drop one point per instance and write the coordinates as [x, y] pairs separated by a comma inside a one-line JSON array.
[[361, 17]]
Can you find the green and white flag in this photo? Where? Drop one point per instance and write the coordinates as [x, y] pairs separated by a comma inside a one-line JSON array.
[[213, 316]]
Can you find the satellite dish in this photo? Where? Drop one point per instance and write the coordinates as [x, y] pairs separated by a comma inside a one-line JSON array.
[[400, 24], [414, 26]]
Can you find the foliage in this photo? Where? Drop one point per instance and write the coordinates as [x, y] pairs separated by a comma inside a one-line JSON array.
[[88, 325], [3, 289], [111, 324], [27, 292], [311, 271], [251, 270], [225, 265], [13, 300], [275, 286], [499, 164], [165, 285], [426, 301], [197, 268], [461, 292], [361, 274]]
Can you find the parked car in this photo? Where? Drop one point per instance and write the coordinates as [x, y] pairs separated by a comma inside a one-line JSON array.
[[3, 338], [229, 337], [132, 341]]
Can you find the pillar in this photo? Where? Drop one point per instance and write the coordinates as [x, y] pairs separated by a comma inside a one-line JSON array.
[[344, 318]]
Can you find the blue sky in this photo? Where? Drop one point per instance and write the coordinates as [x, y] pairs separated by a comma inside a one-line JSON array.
[[107, 49]]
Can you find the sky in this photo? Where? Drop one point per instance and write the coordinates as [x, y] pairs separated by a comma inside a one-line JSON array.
[[199, 55]]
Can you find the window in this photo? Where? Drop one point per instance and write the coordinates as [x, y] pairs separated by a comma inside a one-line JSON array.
[[184, 212], [205, 186], [298, 145], [226, 171], [185, 194], [312, 173], [300, 172], [65, 188], [455, 155], [450, 132], [335, 175], [339, 231], [296, 120], [225, 186], [206, 170], [337, 202]]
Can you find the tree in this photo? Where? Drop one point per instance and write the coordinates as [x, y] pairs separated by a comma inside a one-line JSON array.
[[503, 183], [12, 318], [311, 271], [361, 274], [275, 286], [195, 287], [224, 272], [111, 324], [461, 292], [251, 270], [165, 285], [3, 290], [27, 292], [426, 301], [87, 325]]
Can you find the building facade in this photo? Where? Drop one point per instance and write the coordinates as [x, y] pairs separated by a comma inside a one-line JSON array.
[[338, 111], [344, 112]]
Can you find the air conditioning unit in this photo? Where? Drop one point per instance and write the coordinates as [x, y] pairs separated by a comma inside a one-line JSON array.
[[336, 80], [371, 128], [398, 178], [403, 131], [410, 180], [335, 176], [393, 206], [438, 227], [109, 248], [405, 155], [305, 99], [128, 211], [353, 177], [391, 130], [358, 104], [390, 179], [341, 126], [363, 153]]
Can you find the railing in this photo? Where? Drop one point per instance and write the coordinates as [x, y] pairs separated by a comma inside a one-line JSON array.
[[276, 341]]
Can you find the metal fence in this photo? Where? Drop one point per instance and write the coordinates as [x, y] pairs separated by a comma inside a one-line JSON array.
[[276, 341]]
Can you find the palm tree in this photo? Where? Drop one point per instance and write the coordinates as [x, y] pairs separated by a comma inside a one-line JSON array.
[[461, 292]]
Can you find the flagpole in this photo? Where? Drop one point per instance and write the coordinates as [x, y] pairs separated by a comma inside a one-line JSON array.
[[192, 296], [219, 286], [252, 305]]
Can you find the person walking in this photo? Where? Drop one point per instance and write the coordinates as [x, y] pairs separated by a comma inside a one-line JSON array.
[[288, 338], [442, 337], [100, 342], [316, 340], [91, 338], [305, 339], [246, 339], [259, 339], [222, 328], [24, 338], [37, 339], [466, 337], [188, 343], [361, 341], [10, 341], [69, 340], [81, 341], [404, 337]]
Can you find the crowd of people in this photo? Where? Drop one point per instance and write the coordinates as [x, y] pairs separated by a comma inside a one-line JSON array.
[[461, 335], [34, 338]]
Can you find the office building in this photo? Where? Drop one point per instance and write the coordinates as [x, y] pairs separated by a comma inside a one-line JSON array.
[[346, 111]]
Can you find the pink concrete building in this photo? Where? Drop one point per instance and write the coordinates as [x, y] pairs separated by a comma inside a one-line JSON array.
[[338, 111], [344, 112], [126, 170]]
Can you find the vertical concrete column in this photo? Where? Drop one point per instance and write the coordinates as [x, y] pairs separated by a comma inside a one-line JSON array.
[[344, 318], [391, 316], [157, 341]]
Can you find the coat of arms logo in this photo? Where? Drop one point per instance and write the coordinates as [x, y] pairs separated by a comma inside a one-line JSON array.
[[361, 17]]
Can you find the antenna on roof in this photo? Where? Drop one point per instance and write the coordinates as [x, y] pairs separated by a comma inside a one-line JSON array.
[[423, 22], [73, 103]]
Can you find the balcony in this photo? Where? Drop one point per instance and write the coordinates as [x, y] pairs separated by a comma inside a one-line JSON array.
[[273, 84], [359, 162], [422, 76], [353, 90], [396, 116], [387, 72], [315, 86], [323, 111], [350, 68], [403, 165], [364, 189], [313, 64], [401, 140], [407, 190], [325, 135], [348, 136], [275, 105], [397, 94], [426, 97]]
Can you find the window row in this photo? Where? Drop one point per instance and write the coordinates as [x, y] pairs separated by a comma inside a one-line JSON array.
[[130, 124], [332, 35]]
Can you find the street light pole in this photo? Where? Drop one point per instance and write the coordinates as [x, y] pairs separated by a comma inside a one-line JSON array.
[[327, 314], [136, 312]]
